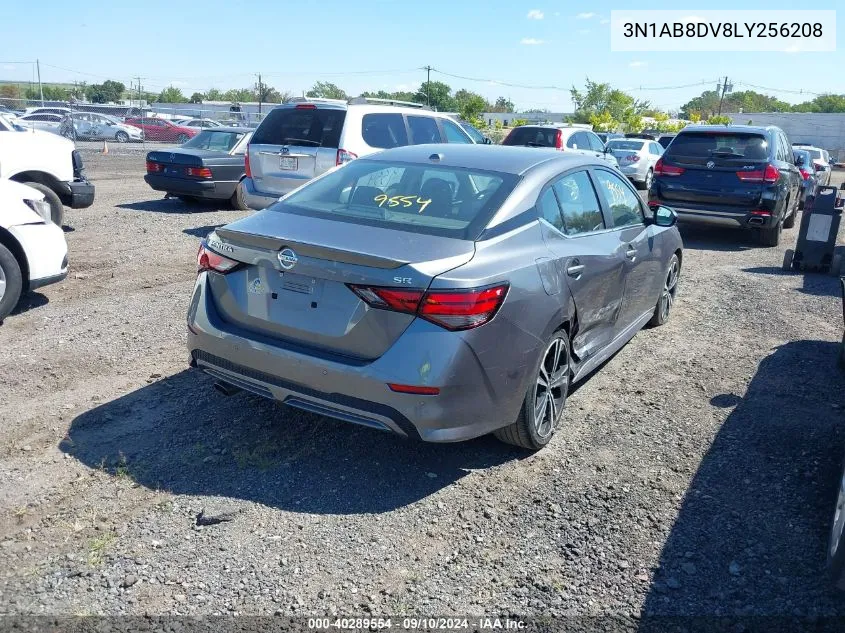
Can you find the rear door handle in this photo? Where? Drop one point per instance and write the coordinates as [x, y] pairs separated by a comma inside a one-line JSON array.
[[631, 253], [575, 268]]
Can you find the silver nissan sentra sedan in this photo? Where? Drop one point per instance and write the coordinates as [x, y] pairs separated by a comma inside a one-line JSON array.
[[440, 292]]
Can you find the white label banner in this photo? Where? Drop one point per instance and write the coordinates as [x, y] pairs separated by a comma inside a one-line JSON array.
[[784, 31]]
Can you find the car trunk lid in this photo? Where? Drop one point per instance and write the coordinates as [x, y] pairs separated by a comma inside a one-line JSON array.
[[293, 286]]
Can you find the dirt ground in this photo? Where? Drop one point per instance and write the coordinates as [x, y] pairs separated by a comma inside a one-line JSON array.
[[695, 473]]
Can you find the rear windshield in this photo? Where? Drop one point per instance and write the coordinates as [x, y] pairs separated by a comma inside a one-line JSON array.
[[309, 127], [534, 136], [446, 201], [725, 145], [815, 153], [632, 145], [215, 140]]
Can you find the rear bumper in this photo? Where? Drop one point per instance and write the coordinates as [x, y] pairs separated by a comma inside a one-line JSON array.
[[635, 172], [79, 194], [189, 187], [718, 215], [357, 391], [257, 199]]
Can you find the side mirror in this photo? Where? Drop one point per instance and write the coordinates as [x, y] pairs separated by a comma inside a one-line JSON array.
[[488, 140], [663, 215]]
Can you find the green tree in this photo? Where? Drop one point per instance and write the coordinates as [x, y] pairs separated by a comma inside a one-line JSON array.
[[398, 96], [239, 95], [326, 90], [518, 122], [106, 92], [719, 120], [470, 104], [503, 104], [438, 95], [603, 122], [597, 97], [197, 97], [213, 94], [823, 103], [10, 95], [171, 94]]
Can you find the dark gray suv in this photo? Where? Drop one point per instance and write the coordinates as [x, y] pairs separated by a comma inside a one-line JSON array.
[[439, 292]]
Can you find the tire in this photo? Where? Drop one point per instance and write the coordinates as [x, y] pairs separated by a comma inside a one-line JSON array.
[[770, 236], [842, 353], [836, 265], [836, 543], [536, 424], [663, 308], [182, 139], [646, 184], [121, 137], [238, 201], [189, 200], [57, 209], [789, 222], [787, 260], [11, 282]]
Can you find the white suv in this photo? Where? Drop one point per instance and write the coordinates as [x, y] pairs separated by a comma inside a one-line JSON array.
[[302, 139], [821, 162]]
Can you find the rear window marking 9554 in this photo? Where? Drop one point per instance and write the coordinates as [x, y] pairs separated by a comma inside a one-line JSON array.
[[406, 201]]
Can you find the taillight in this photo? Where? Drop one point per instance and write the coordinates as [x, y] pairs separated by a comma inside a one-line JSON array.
[[559, 140], [198, 172], [769, 174], [154, 167], [632, 158], [662, 169], [247, 170], [207, 259], [804, 174], [344, 157], [451, 309], [306, 106], [414, 389]]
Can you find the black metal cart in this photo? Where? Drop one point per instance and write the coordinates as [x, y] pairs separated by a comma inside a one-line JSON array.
[[816, 246]]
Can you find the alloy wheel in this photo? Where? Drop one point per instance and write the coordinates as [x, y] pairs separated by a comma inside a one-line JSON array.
[[648, 178], [551, 389], [2, 284], [670, 288]]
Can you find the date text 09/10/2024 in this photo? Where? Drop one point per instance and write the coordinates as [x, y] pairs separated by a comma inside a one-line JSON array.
[[417, 624], [722, 29]]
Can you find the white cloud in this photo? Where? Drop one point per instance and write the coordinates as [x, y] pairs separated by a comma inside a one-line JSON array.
[[792, 49], [585, 16], [535, 14], [8, 67], [638, 64], [530, 41]]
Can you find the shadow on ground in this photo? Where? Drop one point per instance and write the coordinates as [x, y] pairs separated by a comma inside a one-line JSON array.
[[30, 301], [175, 205], [179, 435], [707, 238], [201, 231], [753, 524]]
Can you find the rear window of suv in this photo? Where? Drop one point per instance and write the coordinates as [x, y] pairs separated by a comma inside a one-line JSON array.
[[309, 127], [719, 145], [536, 136], [411, 197]]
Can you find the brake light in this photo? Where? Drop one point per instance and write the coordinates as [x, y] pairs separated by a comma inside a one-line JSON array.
[[247, 170], [344, 157], [198, 172], [769, 174], [662, 169], [154, 167], [804, 174], [420, 391], [559, 140], [207, 259], [451, 309], [306, 106], [632, 158], [761, 212]]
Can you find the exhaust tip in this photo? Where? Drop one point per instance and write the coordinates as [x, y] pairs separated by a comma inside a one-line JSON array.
[[225, 388], [756, 221]]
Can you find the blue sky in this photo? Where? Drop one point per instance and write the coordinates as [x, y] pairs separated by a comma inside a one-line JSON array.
[[380, 44]]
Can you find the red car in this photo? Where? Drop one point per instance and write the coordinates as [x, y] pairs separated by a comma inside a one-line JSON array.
[[162, 130]]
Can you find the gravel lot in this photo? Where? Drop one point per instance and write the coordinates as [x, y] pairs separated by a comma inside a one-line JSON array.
[[695, 474]]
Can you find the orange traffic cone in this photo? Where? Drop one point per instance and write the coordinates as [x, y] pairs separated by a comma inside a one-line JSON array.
[[105, 148]]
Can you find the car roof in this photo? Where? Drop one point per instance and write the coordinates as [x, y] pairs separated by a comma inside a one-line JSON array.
[[510, 159], [230, 128], [728, 128]]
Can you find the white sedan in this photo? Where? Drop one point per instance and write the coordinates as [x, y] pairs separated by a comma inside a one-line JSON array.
[[33, 250]]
